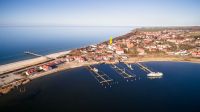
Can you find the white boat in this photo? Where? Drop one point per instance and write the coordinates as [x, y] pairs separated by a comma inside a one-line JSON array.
[[155, 74], [95, 69]]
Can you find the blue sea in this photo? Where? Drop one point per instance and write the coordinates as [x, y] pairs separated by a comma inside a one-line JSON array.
[[14, 41], [77, 90]]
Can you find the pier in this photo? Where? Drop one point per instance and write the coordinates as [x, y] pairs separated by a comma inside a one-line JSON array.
[[100, 76], [151, 74], [144, 68], [122, 72], [38, 55], [129, 66]]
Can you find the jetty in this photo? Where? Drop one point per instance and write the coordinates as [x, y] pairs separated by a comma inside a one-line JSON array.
[[150, 74], [99, 75], [129, 66], [38, 55], [144, 67], [123, 72]]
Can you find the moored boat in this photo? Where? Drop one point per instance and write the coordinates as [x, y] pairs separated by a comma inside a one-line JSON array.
[[95, 70], [155, 74]]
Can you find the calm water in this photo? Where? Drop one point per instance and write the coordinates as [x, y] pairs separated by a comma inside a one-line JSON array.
[[77, 90], [44, 40]]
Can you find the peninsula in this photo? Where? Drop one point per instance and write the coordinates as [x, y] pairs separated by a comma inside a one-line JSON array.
[[141, 44]]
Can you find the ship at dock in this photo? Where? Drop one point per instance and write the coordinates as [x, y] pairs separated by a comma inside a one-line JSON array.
[[155, 74], [150, 74]]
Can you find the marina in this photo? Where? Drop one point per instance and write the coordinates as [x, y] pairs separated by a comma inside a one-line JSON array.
[[122, 71], [62, 88], [125, 70], [101, 77]]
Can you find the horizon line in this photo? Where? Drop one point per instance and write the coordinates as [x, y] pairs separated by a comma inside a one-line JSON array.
[[99, 26]]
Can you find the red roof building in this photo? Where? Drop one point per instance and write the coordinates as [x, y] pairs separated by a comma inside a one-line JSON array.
[[119, 51], [45, 67], [196, 54], [31, 71]]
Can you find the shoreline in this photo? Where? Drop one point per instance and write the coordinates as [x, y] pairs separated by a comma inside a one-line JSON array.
[[105, 52], [29, 62], [165, 59], [67, 66], [63, 67]]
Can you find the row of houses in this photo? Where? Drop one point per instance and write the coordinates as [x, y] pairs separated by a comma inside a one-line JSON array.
[[165, 41], [143, 42], [193, 53], [196, 54], [44, 67], [75, 58]]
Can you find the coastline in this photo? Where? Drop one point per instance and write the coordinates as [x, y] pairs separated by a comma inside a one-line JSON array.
[[30, 62], [70, 65], [163, 58], [109, 53], [66, 66], [63, 67]]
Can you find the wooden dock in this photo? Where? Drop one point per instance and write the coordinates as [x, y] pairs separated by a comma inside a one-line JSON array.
[[122, 72], [143, 67], [129, 66], [100, 76]]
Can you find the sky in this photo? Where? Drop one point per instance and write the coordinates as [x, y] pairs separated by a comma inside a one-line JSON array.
[[100, 12]]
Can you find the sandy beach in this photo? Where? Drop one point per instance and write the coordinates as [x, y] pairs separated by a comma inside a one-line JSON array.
[[162, 58], [25, 63]]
